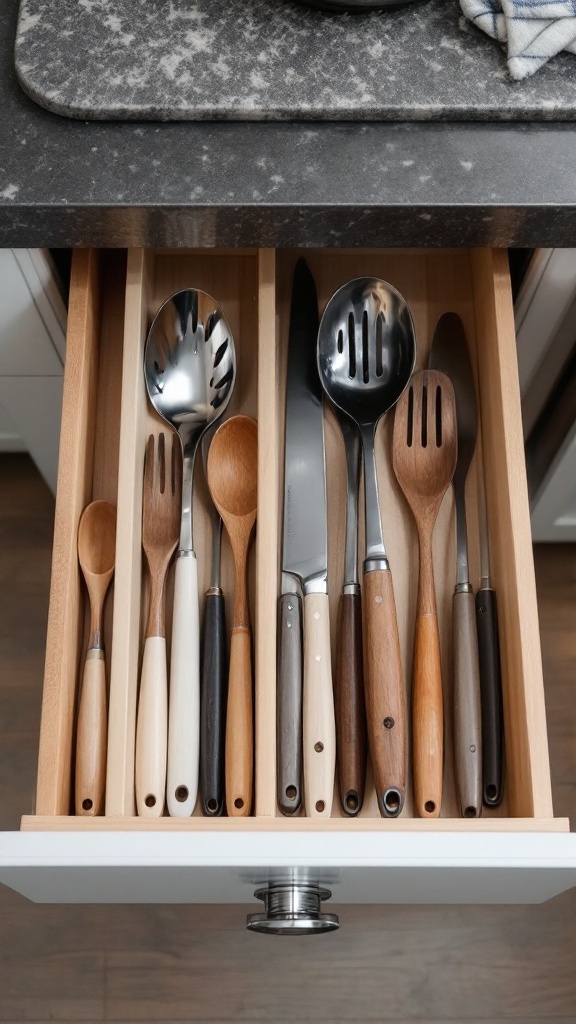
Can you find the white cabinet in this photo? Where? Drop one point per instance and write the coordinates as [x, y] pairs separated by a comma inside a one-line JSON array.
[[32, 351]]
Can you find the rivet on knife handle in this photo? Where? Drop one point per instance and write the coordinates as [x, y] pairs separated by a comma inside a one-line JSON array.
[[289, 710], [385, 700], [319, 740], [467, 714]]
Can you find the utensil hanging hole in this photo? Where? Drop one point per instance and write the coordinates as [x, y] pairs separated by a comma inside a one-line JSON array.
[[212, 805], [379, 344], [340, 342], [424, 416], [320, 805], [365, 363], [291, 792], [318, 747], [351, 801], [469, 812], [150, 800], [239, 803], [351, 347], [392, 802], [181, 794], [429, 807], [438, 417], [410, 417], [490, 793], [87, 805]]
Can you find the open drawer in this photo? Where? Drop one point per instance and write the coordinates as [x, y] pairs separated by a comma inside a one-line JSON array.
[[516, 853]]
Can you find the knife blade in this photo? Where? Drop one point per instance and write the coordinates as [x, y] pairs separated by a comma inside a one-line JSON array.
[[305, 717], [450, 354]]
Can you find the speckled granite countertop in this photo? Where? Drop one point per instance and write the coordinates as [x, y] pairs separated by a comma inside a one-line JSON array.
[[274, 60], [71, 183]]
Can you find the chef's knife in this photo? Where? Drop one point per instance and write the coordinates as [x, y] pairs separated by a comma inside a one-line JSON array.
[[449, 353], [490, 672], [304, 668]]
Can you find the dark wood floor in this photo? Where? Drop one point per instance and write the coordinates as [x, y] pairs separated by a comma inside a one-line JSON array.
[[196, 963]]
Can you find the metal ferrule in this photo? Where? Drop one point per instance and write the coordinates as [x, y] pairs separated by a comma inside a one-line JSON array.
[[351, 588], [316, 585], [96, 652], [373, 564], [463, 588]]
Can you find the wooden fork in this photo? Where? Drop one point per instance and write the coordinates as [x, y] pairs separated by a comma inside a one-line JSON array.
[[160, 532]]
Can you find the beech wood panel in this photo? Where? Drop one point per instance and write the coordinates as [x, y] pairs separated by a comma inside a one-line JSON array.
[[88, 469]]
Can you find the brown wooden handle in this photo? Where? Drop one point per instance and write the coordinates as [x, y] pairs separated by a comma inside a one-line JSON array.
[[91, 738], [467, 707], [350, 706], [385, 693], [239, 726], [427, 717]]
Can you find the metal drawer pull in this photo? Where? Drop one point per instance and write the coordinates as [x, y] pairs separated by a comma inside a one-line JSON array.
[[292, 909]]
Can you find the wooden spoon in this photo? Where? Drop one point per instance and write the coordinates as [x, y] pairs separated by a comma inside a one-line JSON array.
[[232, 478], [424, 450], [96, 553]]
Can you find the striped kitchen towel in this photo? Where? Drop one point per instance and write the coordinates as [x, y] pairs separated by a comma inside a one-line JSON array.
[[534, 30]]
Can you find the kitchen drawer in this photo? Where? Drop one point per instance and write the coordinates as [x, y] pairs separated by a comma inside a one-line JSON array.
[[516, 853]]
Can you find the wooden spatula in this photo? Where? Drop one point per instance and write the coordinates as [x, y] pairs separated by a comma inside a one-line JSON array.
[[424, 450]]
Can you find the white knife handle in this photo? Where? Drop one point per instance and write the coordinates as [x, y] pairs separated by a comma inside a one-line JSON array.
[[184, 701], [319, 731], [152, 730]]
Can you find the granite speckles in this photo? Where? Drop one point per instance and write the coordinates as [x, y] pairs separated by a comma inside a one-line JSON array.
[[273, 60]]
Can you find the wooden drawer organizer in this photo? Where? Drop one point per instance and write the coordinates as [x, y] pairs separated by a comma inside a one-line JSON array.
[[104, 426]]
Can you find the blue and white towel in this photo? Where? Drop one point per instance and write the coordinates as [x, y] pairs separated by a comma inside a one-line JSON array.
[[534, 30]]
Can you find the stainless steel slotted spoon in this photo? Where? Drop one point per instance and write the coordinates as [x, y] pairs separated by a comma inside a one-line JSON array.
[[366, 353]]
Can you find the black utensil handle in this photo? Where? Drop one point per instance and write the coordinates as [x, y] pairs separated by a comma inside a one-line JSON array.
[[213, 697], [289, 704], [491, 696], [350, 706]]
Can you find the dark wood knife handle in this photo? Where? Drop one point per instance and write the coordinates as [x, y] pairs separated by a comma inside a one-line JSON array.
[[350, 706], [491, 697], [289, 704], [213, 698]]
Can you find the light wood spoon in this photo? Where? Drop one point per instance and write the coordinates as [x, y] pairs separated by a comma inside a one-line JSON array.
[[424, 450], [232, 479], [96, 554]]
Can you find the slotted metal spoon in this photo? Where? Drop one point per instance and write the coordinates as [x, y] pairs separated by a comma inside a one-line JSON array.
[[366, 354], [189, 368]]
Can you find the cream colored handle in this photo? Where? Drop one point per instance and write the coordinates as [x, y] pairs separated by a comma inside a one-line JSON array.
[[152, 730], [319, 730], [91, 737], [184, 701], [239, 726]]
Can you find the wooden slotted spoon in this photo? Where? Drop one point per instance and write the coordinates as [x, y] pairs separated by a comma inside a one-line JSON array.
[[424, 451]]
